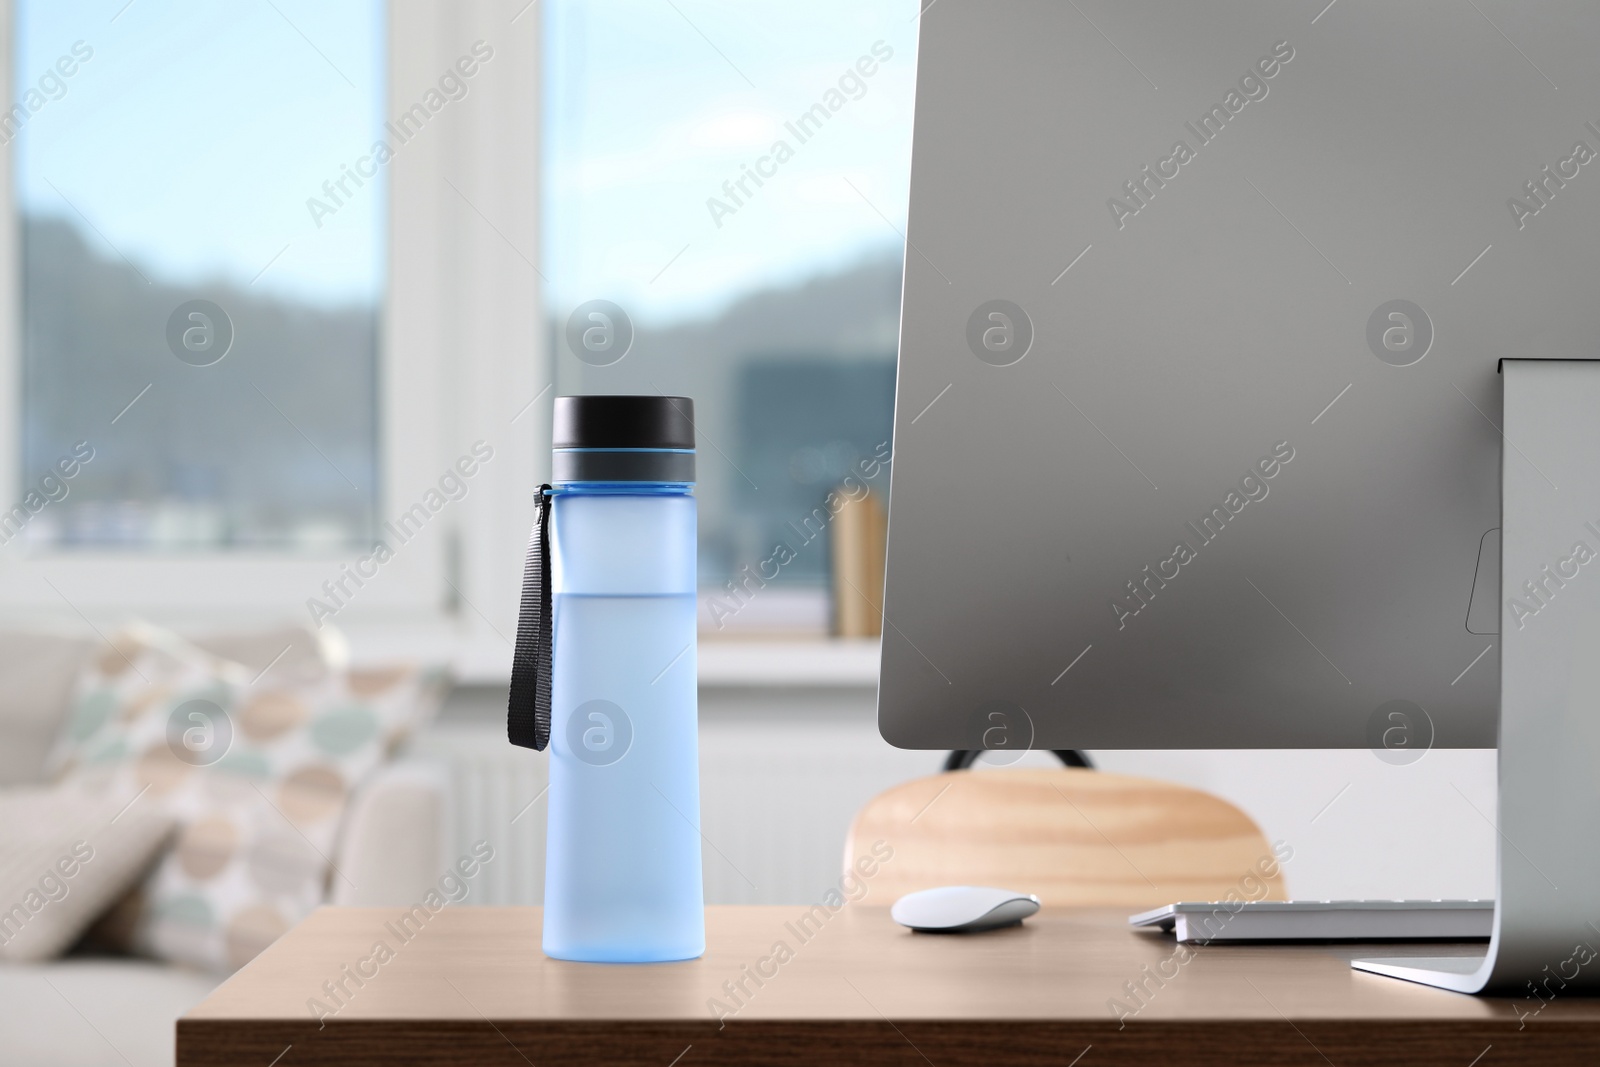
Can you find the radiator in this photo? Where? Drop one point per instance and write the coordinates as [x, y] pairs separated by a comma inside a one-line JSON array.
[[496, 794], [776, 798]]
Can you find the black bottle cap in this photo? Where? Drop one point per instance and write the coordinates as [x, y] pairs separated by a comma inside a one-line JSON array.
[[623, 422], [623, 439]]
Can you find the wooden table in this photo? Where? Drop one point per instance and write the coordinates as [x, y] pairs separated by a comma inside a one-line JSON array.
[[471, 987]]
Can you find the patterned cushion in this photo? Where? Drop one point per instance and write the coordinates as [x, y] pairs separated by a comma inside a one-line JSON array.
[[256, 771]]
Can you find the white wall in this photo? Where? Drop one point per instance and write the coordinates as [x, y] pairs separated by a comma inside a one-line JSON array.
[[1359, 827], [783, 770]]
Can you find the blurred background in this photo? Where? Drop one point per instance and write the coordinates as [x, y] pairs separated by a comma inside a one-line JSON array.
[[288, 288]]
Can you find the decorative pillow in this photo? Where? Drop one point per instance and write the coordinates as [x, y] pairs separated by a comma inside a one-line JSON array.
[[255, 770], [64, 856]]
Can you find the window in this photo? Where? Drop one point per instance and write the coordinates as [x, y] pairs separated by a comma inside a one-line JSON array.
[[198, 345], [725, 193], [274, 264], [188, 179]]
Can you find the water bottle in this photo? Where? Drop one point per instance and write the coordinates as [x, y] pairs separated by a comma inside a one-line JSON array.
[[604, 673]]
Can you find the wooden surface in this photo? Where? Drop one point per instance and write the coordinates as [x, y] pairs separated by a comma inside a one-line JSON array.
[[1075, 837], [473, 988]]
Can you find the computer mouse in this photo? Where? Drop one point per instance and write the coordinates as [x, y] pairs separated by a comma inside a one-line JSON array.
[[962, 909]]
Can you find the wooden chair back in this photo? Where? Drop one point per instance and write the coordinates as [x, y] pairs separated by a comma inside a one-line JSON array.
[[1073, 837]]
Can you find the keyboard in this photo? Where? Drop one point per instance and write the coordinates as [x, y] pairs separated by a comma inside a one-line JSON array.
[[1322, 920]]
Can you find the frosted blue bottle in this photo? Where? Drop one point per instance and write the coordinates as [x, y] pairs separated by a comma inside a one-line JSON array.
[[622, 859]]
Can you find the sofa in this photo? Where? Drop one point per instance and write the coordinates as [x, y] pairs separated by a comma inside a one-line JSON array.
[[93, 1007]]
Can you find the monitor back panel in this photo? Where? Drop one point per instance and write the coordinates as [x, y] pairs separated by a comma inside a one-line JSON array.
[[1196, 421]]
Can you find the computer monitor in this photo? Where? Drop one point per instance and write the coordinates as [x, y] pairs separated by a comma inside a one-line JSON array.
[[1196, 433], [1199, 409]]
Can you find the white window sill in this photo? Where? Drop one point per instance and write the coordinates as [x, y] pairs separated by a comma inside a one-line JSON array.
[[483, 657], [826, 662]]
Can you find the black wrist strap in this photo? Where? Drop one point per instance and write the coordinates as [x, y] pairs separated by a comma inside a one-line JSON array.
[[528, 712]]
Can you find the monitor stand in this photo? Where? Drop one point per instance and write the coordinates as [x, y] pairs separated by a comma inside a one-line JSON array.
[[1546, 938]]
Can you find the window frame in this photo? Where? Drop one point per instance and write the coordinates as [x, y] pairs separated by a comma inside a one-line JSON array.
[[462, 358]]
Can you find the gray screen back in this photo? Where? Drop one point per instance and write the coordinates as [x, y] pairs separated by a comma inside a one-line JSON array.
[[1195, 435]]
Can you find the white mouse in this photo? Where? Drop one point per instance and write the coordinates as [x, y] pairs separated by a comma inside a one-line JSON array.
[[962, 909]]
